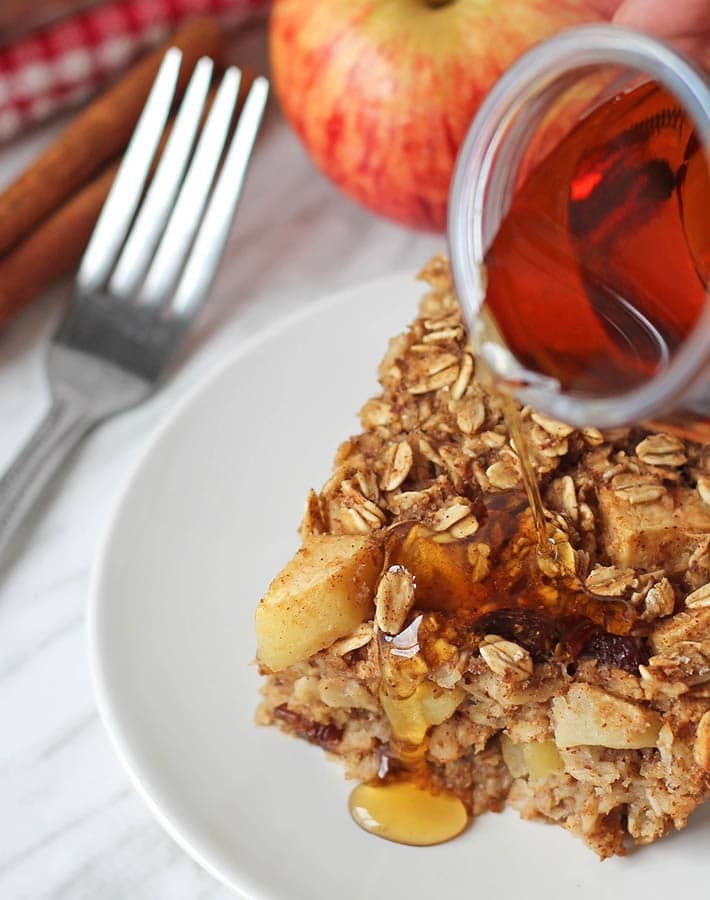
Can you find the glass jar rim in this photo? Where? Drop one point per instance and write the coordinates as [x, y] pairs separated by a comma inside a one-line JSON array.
[[576, 49]]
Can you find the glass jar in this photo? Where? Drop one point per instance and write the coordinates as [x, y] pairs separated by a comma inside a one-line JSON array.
[[536, 103]]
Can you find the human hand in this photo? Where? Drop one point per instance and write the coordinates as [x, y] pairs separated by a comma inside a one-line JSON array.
[[684, 23]]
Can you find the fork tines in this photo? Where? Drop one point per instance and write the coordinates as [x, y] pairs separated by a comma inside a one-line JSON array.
[[170, 247]]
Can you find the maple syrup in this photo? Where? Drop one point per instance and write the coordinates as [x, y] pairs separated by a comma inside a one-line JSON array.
[[500, 567], [511, 415], [403, 812], [403, 804], [599, 271]]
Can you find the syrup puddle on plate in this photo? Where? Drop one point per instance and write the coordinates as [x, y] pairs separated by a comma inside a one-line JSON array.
[[403, 812]]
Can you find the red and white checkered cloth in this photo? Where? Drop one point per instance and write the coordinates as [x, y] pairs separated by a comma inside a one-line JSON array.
[[62, 64]]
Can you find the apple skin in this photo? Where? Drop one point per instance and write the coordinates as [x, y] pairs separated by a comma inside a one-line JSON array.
[[381, 92]]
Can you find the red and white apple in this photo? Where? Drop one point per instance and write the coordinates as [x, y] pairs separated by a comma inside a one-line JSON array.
[[382, 92]]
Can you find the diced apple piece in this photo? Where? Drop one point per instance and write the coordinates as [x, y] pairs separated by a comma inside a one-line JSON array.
[[588, 715], [701, 748], [542, 758], [536, 759], [442, 571], [513, 756], [638, 535], [411, 717], [440, 704], [321, 595]]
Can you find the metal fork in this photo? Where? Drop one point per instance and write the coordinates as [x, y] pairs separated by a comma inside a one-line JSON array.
[[145, 272]]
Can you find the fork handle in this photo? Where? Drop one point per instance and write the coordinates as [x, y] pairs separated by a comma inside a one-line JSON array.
[[34, 467]]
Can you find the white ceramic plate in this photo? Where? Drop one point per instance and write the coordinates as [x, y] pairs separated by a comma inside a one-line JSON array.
[[207, 520]]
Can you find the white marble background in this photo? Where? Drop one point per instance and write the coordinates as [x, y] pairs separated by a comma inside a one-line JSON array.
[[70, 824]]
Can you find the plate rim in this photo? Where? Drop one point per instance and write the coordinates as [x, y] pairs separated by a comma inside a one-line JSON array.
[[181, 832]]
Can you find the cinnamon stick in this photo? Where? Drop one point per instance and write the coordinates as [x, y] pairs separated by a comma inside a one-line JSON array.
[[96, 135], [54, 248]]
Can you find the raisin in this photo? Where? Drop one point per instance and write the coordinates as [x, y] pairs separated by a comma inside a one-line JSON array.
[[576, 632], [618, 650], [326, 736], [533, 630], [583, 638]]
